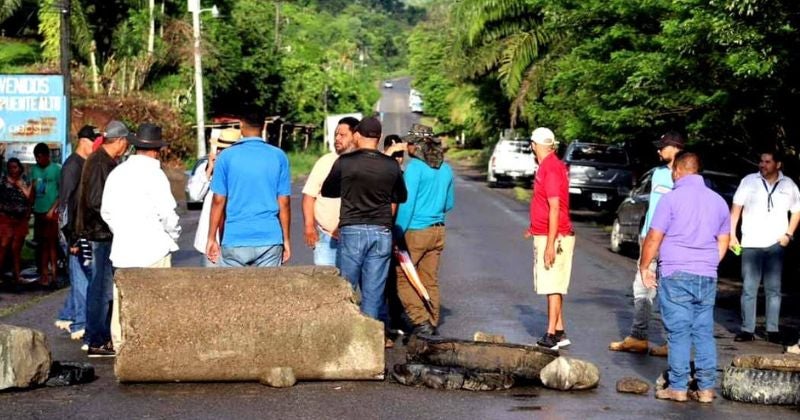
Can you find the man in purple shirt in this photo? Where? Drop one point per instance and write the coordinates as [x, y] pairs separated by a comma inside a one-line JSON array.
[[690, 232]]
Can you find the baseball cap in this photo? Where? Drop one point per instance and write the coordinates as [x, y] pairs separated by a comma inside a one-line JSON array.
[[369, 127], [544, 136], [670, 138], [115, 129], [88, 132]]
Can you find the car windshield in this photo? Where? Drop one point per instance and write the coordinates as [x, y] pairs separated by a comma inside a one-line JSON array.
[[601, 153], [509, 146], [724, 184]]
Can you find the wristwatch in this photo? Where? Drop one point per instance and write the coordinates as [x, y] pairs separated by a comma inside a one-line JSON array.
[[791, 238]]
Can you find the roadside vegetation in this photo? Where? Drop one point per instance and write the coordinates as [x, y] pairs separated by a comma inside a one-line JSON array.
[[614, 71], [298, 60]]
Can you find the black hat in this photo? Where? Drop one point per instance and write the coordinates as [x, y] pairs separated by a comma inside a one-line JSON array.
[[148, 136], [88, 132], [370, 128], [670, 138], [390, 140]]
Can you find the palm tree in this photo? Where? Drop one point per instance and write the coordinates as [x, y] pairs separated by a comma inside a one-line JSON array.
[[8, 8], [50, 22], [510, 39]]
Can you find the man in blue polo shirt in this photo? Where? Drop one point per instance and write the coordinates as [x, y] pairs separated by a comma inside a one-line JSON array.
[[251, 187]]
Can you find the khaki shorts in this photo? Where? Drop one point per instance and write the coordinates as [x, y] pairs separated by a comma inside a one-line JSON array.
[[554, 280]]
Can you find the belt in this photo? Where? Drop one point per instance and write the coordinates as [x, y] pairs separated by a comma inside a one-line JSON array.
[[437, 224]]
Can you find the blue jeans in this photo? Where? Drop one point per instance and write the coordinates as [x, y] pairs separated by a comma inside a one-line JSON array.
[[74, 308], [363, 258], [99, 296], [252, 256], [687, 309], [758, 264], [325, 249]]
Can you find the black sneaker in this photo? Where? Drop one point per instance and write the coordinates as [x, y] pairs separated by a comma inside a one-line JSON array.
[[774, 337], [744, 336], [106, 350], [548, 341], [561, 338]]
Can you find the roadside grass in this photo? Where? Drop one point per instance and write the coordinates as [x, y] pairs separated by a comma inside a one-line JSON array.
[[471, 157], [301, 163], [522, 194], [16, 55], [11, 310]]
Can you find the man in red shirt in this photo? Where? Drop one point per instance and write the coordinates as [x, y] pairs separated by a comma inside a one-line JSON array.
[[553, 237]]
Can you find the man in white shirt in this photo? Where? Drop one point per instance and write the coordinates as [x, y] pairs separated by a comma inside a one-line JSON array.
[[321, 214], [139, 208], [764, 201]]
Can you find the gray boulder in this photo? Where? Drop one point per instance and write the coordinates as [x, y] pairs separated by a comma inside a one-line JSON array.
[[565, 373], [24, 357], [279, 377]]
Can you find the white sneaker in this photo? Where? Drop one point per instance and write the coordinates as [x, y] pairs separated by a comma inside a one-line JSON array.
[[77, 335], [795, 349], [63, 324], [85, 347]]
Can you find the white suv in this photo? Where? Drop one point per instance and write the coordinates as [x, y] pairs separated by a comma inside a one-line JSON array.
[[511, 161]]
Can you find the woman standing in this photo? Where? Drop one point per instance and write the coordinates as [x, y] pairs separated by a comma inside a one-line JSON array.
[[15, 212], [199, 185]]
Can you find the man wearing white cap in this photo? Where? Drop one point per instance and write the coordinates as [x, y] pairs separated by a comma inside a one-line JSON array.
[[553, 237]]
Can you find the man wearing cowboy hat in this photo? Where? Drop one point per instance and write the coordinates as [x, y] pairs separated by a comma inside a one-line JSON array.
[[139, 208]]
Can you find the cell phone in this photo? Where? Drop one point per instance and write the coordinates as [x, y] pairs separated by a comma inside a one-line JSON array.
[[397, 154]]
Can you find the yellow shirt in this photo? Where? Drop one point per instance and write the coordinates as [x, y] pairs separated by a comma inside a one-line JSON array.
[[326, 210]]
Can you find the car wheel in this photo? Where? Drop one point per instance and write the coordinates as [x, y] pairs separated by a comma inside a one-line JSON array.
[[491, 180], [616, 237]]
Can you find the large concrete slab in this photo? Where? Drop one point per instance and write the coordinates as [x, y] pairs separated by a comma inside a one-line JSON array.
[[235, 324]]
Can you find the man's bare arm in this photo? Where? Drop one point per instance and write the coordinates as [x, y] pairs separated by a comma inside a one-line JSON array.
[[649, 250], [285, 216], [722, 245], [736, 214], [309, 222], [217, 210], [552, 231]]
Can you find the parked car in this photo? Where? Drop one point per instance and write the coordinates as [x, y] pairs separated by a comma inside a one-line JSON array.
[[388, 84], [599, 175], [631, 212], [512, 160]]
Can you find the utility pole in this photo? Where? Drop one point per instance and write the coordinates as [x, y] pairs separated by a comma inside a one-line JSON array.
[[65, 73], [194, 7]]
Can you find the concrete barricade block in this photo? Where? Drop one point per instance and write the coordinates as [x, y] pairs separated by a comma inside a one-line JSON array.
[[236, 324]]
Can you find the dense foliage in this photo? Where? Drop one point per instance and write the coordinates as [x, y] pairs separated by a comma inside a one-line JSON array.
[[298, 60], [724, 71]]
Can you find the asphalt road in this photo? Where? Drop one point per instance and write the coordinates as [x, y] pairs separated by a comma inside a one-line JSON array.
[[486, 285]]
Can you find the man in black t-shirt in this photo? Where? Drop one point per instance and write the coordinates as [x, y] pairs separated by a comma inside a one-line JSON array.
[[371, 186]]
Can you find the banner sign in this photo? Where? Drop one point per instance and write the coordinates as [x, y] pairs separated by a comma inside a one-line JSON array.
[[33, 109]]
